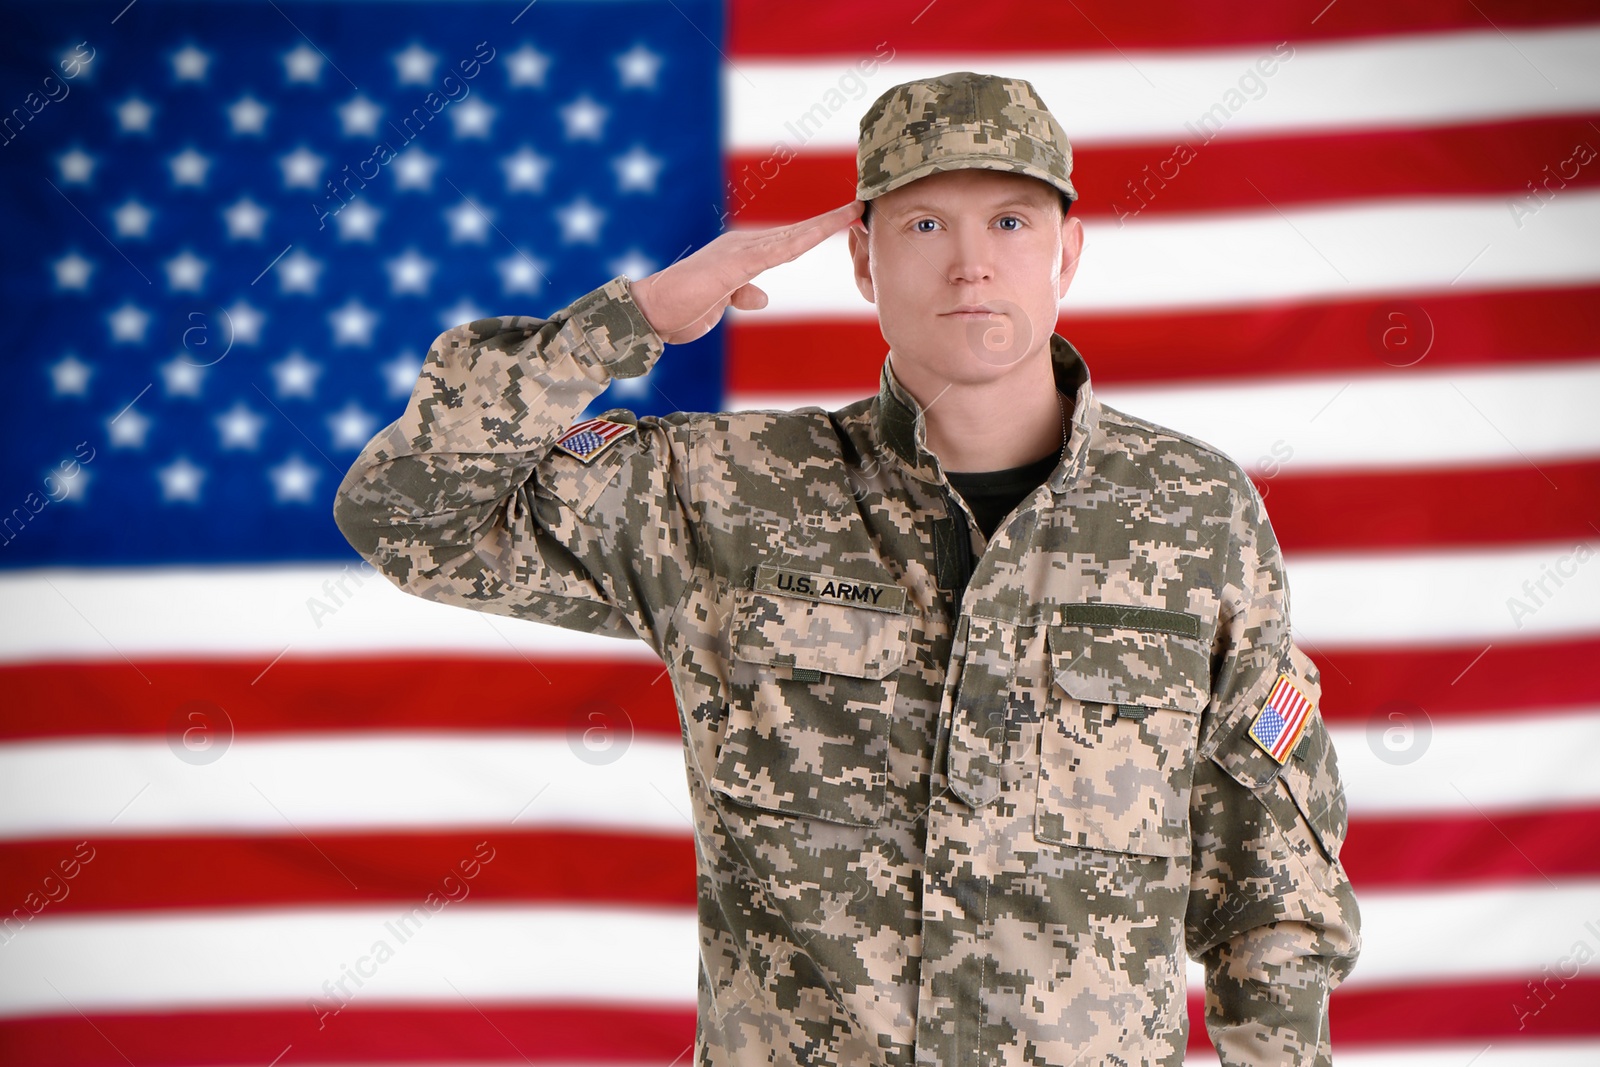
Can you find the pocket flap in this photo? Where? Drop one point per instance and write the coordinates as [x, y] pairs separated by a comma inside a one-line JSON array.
[[787, 631], [1125, 664]]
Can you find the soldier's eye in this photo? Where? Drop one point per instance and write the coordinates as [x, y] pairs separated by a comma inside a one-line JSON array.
[[1010, 218], [919, 226]]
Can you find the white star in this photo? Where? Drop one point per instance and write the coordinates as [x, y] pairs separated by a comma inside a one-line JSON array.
[[526, 66], [525, 169], [634, 264], [638, 66], [127, 428], [296, 375], [72, 271], [133, 115], [72, 489], [69, 376], [132, 219], [468, 223], [304, 64], [580, 221], [189, 64], [583, 118], [472, 118], [359, 116], [247, 115], [180, 480], [637, 169], [353, 323], [186, 272], [297, 273], [76, 166], [239, 427], [409, 273], [245, 219], [413, 169], [293, 480], [245, 323], [357, 221], [414, 66], [74, 63], [463, 311], [302, 169], [181, 377], [401, 373], [128, 323], [351, 426], [189, 167], [518, 274]]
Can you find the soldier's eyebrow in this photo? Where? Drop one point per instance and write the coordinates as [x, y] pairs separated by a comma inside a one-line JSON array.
[[1015, 200]]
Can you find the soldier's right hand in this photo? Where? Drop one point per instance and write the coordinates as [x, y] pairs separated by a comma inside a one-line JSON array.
[[683, 301]]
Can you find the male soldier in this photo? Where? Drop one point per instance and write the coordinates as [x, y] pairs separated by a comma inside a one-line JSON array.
[[975, 758]]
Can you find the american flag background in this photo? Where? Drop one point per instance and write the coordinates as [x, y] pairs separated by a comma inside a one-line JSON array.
[[257, 807]]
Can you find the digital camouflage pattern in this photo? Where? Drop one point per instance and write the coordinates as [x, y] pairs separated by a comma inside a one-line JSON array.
[[941, 818], [958, 121]]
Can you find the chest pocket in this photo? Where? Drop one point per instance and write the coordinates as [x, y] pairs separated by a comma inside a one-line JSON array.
[[1117, 747], [810, 690]]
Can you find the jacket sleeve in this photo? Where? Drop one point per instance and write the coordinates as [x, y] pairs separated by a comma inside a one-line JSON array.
[[1271, 913], [465, 500]]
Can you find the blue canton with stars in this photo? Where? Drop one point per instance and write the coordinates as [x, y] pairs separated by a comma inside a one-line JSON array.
[[234, 229]]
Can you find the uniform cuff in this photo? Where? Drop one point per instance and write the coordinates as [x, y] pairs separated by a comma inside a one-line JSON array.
[[610, 331]]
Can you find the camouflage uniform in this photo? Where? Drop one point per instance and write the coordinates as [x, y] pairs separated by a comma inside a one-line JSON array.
[[941, 818]]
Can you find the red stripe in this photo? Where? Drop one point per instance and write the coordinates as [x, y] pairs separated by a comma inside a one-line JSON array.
[[1304, 337], [337, 695], [1505, 1011], [1458, 681], [578, 867], [1141, 181], [1422, 851], [215, 871], [423, 1033], [1453, 507], [1014, 27], [379, 695]]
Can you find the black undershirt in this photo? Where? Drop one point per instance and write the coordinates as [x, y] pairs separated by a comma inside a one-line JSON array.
[[992, 495]]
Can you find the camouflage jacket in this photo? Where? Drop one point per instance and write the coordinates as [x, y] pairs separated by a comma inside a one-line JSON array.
[[950, 809]]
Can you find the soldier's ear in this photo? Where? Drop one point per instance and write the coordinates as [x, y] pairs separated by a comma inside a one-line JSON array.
[[1071, 251], [861, 261]]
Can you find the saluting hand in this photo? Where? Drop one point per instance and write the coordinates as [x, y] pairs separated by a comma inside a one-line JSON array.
[[683, 301]]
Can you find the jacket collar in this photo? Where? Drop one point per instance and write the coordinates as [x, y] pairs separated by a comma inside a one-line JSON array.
[[901, 424]]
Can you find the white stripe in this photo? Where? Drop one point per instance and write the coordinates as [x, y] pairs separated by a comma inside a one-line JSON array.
[[387, 781], [1429, 79], [1530, 592], [1519, 762], [493, 952], [1498, 1052], [305, 611], [1390, 419], [298, 783], [282, 957], [1527, 592], [1477, 932], [1352, 249]]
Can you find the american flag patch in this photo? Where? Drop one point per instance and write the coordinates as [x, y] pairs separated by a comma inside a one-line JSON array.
[[589, 438], [1281, 719]]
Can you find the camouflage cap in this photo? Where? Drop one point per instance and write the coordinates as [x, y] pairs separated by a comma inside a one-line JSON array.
[[956, 121]]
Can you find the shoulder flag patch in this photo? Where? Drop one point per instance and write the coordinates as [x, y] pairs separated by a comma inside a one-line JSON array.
[[589, 438], [1282, 719]]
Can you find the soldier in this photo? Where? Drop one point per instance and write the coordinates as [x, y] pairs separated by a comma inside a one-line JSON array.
[[989, 704]]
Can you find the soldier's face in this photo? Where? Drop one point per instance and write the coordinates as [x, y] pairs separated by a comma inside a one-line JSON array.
[[966, 238]]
